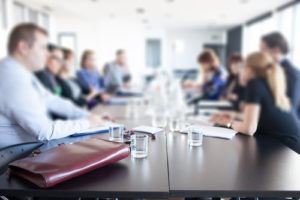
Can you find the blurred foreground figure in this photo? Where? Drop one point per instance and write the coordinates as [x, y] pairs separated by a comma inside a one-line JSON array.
[[24, 102]]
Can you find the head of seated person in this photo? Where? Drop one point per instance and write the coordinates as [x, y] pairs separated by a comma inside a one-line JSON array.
[[261, 66], [28, 45], [55, 59], [209, 64], [88, 60], [234, 65], [68, 64], [274, 44], [121, 58]]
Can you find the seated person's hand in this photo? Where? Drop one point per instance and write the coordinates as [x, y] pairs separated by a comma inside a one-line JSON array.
[[95, 120], [232, 97], [107, 117], [105, 97], [187, 84], [92, 93], [221, 118]]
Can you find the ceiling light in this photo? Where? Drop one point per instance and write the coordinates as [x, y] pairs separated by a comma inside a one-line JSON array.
[[244, 1], [112, 16], [140, 10], [145, 21]]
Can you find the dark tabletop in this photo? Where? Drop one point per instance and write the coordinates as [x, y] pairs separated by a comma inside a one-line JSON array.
[[138, 178], [241, 167]]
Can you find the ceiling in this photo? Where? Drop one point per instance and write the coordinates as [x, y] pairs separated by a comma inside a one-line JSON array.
[[166, 13]]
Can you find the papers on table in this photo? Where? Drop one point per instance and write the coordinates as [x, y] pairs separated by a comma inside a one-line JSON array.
[[200, 120], [208, 111], [215, 103], [211, 131], [96, 130], [116, 101], [148, 129]]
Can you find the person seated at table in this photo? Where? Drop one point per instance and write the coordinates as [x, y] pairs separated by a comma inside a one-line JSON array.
[[233, 91], [48, 76], [211, 77], [277, 46], [89, 78], [117, 73], [70, 86], [25, 103], [267, 110]]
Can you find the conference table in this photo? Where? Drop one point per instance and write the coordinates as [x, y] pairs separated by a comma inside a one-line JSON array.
[[241, 167]]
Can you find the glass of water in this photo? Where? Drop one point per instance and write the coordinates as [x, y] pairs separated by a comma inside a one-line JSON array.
[[139, 146], [173, 124], [116, 133], [195, 136], [159, 120]]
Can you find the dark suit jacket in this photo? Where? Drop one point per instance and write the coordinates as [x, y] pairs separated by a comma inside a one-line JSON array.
[[45, 80], [66, 90], [293, 84]]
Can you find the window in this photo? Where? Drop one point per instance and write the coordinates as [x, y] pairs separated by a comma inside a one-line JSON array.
[[153, 53], [69, 40], [296, 50], [4, 13], [254, 32], [286, 20], [44, 22], [19, 13], [33, 16]]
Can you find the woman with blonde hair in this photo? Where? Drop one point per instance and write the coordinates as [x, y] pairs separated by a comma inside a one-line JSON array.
[[211, 78], [267, 110]]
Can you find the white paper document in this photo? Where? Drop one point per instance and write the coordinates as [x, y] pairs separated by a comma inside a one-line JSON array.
[[99, 129], [217, 132], [200, 120], [208, 111], [215, 103], [148, 129]]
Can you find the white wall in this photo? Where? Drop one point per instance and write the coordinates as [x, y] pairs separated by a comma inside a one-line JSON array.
[[4, 31], [183, 46], [105, 37]]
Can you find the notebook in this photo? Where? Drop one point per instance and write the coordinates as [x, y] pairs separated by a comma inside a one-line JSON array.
[[96, 130], [148, 130], [200, 120], [116, 101], [211, 131], [207, 103]]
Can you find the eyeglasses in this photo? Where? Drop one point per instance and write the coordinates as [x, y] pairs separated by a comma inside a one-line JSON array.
[[58, 59]]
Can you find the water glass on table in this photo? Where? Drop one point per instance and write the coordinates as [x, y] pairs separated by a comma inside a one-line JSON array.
[[159, 120], [195, 136], [139, 145], [116, 133]]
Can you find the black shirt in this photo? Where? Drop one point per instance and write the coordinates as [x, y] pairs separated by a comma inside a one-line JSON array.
[[293, 84], [272, 120]]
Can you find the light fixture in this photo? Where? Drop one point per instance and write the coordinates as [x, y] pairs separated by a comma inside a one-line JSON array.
[[140, 10], [145, 21]]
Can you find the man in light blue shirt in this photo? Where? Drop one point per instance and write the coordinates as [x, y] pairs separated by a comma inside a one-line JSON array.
[[24, 103], [116, 73]]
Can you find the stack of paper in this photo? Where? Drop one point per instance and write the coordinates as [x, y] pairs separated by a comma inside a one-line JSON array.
[[200, 120], [96, 130], [211, 131], [207, 111], [215, 103], [148, 129]]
